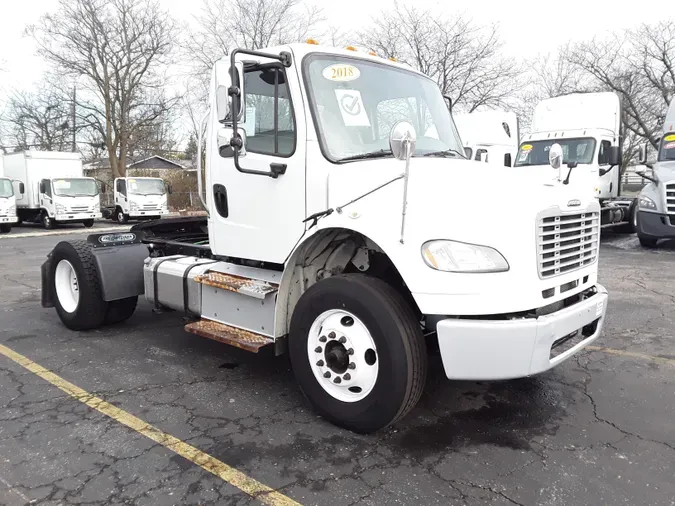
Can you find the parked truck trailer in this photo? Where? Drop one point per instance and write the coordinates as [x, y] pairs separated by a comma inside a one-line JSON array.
[[339, 233], [7, 200]]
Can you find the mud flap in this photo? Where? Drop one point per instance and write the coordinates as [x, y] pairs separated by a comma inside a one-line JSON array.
[[47, 295]]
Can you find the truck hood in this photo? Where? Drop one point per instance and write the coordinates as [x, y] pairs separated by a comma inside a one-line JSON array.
[[465, 201], [665, 171]]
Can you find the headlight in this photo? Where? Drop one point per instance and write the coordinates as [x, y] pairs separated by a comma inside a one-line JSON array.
[[133, 206], [165, 205], [646, 203], [11, 211], [60, 209], [453, 256]]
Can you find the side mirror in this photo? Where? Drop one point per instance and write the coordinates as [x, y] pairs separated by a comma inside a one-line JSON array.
[[402, 140], [555, 156], [507, 159], [222, 103], [642, 154], [103, 188], [468, 153], [169, 189], [22, 188], [228, 142], [42, 186], [614, 155]]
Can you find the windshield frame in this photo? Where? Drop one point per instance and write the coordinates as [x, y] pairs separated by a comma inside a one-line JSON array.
[[662, 152], [596, 143], [11, 187], [311, 102], [145, 179], [56, 194]]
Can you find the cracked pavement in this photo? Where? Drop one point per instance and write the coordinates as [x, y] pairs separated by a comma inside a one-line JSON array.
[[595, 430]]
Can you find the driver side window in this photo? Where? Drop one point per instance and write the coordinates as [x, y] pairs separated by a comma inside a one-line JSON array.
[[603, 154], [122, 187]]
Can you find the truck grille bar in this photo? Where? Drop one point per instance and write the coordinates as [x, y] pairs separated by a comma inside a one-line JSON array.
[[567, 242], [670, 198]]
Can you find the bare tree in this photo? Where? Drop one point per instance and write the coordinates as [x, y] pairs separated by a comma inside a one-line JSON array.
[[639, 65], [464, 59], [120, 47]]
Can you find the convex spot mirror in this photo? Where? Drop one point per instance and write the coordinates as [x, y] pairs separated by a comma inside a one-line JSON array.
[[228, 142], [402, 140], [555, 156]]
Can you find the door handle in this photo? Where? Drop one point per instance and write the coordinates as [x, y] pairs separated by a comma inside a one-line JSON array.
[[220, 200]]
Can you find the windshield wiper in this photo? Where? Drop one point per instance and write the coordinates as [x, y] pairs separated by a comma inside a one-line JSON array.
[[446, 152], [364, 156]]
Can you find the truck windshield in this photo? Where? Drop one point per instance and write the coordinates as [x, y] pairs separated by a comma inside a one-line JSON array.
[[75, 187], [667, 151], [356, 102], [579, 150], [6, 189], [147, 186]]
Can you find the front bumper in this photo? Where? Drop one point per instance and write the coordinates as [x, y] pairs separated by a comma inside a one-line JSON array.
[[8, 219], [77, 216], [159, 212], [657, 225], [506, 349]]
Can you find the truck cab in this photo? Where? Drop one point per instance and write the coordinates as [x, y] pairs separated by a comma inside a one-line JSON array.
[[489, 136], [7, 205], [340, 231], [656, 201], [69, 199], [588, 128], [140, 198]]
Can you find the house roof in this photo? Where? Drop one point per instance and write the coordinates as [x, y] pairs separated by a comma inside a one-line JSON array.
[[170, 162], [104, 163]]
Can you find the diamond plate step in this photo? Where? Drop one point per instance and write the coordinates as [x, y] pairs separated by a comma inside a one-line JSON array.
[[245, 286], [249, 341]]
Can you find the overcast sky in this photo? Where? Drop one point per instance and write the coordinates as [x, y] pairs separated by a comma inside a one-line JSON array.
[[526, 28]]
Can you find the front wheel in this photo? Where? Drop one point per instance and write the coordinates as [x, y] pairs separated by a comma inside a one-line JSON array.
[[5, 228], [47, 222], [88, 223], [648, 242], [121, 217], [357, 352]]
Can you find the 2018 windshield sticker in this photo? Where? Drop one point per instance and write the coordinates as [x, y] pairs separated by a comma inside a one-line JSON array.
[[351, 107], [341, 72], [670, 137], [526, 147]]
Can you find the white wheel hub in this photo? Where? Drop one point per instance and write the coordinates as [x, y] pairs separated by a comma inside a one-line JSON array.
[[342, 355], [67, 286]]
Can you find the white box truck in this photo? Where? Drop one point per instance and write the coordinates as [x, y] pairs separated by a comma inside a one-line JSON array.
[[7, 200], [656, 201], [138, 198], [339, 234], [489, 136], [56, 190], [588, 127]]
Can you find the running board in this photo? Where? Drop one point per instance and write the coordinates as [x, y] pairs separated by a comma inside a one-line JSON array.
[[255, 288], [239, 338]]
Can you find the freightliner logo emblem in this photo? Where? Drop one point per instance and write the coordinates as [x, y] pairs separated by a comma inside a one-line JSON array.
[[574, 203]]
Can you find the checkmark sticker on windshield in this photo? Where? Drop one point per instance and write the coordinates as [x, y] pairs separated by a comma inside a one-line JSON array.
[[351, 108]]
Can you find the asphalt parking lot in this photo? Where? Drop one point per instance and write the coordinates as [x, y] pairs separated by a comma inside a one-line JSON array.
[[596, 430]]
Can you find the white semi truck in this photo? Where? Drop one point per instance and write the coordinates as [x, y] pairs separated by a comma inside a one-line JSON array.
[[489, 136], [138, 198], [339, 234], [588, 127], [7, 200], [56, 190], [656, 201]]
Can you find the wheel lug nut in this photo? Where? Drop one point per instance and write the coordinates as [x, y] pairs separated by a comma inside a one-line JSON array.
[[332, 335], [326, 374], [347, 377], [323, 339], [320, 363], [352, 365], [318, 349], [343, 339], [350, 351], [337, 380]]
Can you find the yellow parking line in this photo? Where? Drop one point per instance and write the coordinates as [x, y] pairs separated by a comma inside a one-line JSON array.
[[248, 485], [632, 354]]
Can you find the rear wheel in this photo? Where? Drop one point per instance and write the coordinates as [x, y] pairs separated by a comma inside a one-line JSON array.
[[76, 286], [120, 310], [357, 352], [630, 227], [5, 228]]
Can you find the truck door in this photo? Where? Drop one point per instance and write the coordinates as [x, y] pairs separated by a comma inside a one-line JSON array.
[[46, 197], [256, 216], [121, 194], [608, 184]]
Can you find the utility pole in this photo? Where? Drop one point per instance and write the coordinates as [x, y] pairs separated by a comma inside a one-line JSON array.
[[72, 113]]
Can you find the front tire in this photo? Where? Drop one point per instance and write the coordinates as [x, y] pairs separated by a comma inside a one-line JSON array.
[[647, 242], [357, 352], [47, 222], [76, 286], [5, 228], [121, 217], [88, 223]]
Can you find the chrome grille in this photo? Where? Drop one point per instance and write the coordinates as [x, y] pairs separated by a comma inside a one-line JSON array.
[[567, 242], [670, 198], [150, 207], [79, 209]]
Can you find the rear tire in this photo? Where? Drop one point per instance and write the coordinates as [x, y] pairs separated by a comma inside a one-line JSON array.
[[5, 228], [631, 226], [356, 312], [120, 310], [88, 223], [76, 286]]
